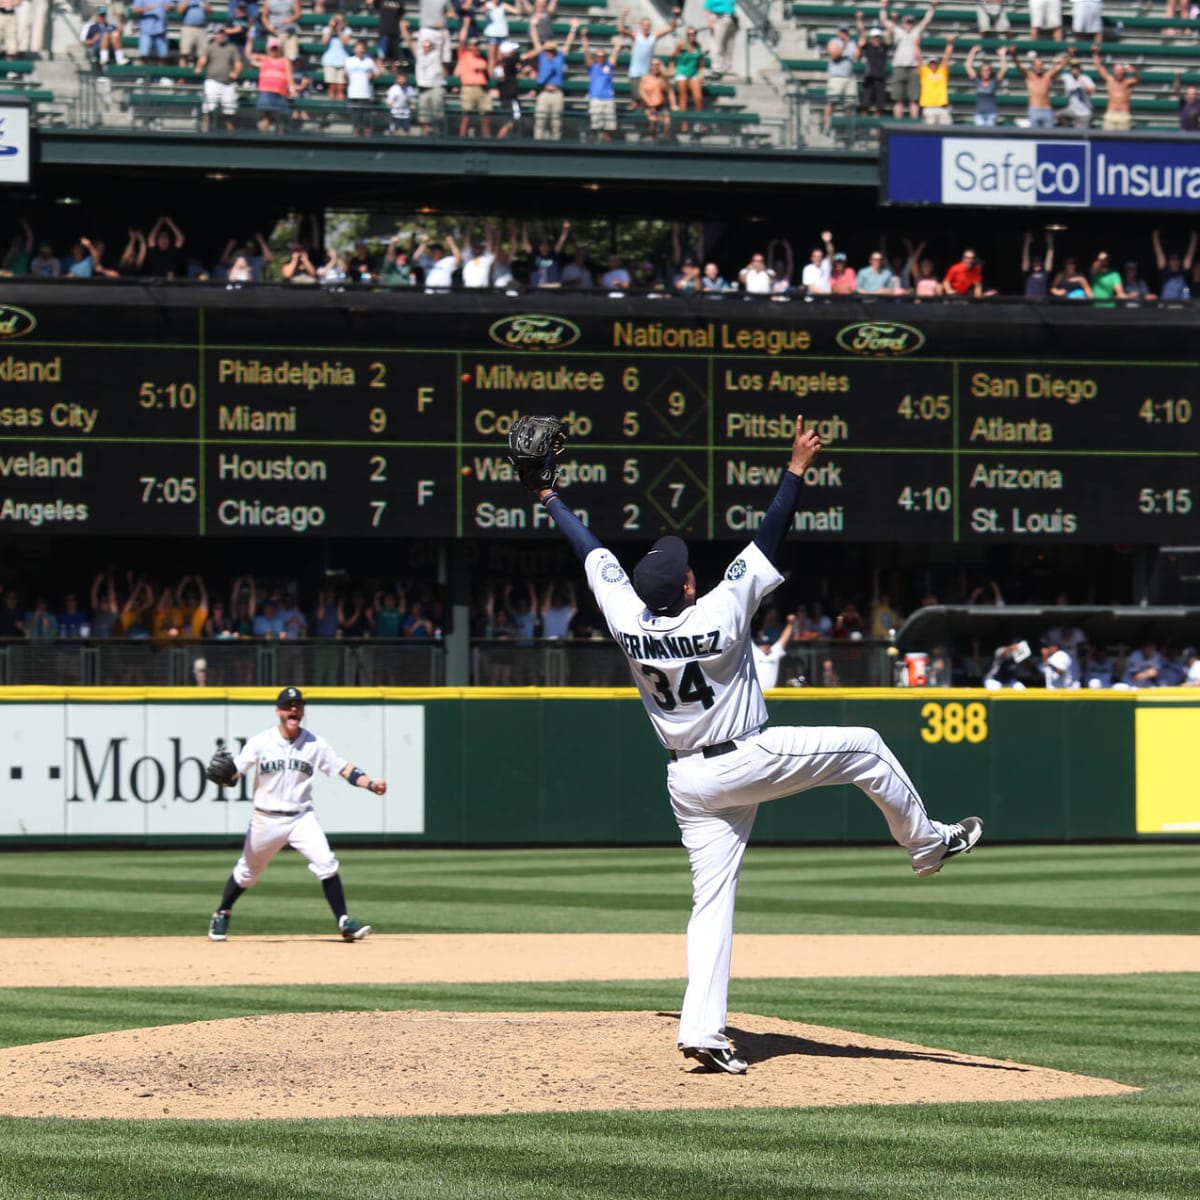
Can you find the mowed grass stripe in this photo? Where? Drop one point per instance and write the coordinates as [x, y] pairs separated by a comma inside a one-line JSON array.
[[1135, 889]]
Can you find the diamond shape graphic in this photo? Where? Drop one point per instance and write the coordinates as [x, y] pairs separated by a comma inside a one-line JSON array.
[[671, 493], [675, 385]]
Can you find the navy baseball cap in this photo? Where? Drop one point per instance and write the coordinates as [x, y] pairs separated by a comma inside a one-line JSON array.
[[289, 696], [765, 639], [659, 577]]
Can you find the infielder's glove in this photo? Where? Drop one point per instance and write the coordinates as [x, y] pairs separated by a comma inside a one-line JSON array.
[[533, 443], [221, 769]]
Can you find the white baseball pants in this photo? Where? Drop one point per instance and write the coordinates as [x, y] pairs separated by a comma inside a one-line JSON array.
[[715, 801], [268, 834]]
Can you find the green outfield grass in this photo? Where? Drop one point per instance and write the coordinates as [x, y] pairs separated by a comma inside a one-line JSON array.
[[1142, 1030], [1006, 889]]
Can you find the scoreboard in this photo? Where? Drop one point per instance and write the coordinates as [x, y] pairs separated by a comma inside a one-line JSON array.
[[299, 413]]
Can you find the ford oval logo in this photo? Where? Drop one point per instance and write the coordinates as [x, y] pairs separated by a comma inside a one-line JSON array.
[[880, 339], [15, 322], [534, 331]]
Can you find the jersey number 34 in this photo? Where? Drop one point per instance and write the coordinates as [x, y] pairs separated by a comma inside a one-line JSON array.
[[694, 688]]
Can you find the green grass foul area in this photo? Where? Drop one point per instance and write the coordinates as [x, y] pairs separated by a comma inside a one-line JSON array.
[[1143, 1030], [1148, 888]]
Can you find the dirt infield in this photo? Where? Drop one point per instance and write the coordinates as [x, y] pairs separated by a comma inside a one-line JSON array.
[[498, 957], [417, 1063]]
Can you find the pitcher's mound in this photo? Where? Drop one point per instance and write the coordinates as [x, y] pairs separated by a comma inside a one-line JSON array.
[[427, 1063]]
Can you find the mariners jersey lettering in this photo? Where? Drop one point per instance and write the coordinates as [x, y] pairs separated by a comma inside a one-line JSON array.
[[283, 770], [694, 671]]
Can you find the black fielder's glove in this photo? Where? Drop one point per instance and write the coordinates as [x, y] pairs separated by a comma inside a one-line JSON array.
[[221, 769], [533, 444]]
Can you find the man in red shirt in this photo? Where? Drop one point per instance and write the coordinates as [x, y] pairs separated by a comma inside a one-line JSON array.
[[965, 278], [472, 72], [843, 279]]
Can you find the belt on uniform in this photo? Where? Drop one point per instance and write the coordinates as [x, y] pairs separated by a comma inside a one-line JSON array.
[[713, 751], [279, 812]]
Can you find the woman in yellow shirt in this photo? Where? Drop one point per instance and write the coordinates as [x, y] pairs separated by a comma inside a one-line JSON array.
[[935, 87]]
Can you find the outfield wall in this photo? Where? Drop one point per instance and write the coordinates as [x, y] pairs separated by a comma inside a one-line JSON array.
[[526, 766]]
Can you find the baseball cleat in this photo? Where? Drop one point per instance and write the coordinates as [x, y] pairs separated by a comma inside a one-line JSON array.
[[717, 1058], [352, 931], [962, 836], [218, 927]]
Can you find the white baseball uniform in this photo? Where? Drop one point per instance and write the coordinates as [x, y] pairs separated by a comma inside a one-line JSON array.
[[283, 806], [697, 680]]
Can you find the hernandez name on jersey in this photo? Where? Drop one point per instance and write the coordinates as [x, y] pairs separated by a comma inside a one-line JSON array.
[[694, 670]]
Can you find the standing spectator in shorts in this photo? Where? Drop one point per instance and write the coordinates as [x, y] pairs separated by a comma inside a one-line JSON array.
[[1087, 18], [1173, 268], [602, 97], [935, 87], [152, 18], [1080, 89], [1037, 86], [658, 100], [430, 72], [495, 29], [275, 87], [1045, 17], [220, 65], [401, 98], [721, 16], [472, 71], [642, 43], [360, 89], [688, 68], [1120, 82], [280, 19], [992, 17], [987, 82], [965, 277], [905, 39], [193, 29], [872, 52], [551, 79], [841, 53], [333, 57]]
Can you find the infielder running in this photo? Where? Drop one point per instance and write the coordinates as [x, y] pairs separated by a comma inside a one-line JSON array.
[[283, 759], [691, 659]]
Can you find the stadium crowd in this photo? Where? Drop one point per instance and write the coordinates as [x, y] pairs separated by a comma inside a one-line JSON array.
[[884, 71], [514, 256], [521, 615]]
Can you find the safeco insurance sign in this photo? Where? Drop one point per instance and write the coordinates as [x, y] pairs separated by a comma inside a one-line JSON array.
[[1041, 171]]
